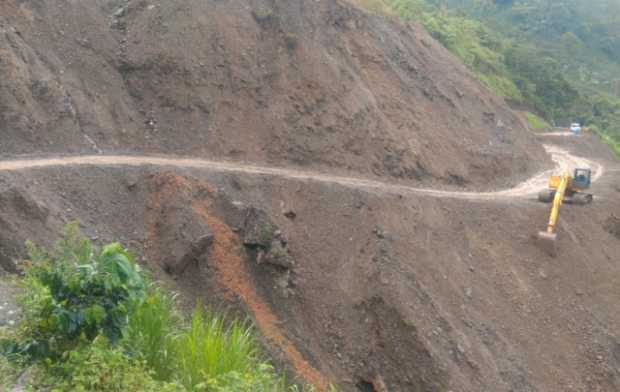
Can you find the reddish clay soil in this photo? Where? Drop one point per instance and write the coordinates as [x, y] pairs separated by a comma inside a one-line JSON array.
[[225, 256]]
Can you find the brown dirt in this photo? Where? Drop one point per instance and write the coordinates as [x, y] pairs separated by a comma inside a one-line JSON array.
[[226, 257], [401, 291], [416, 291], [275, 82]]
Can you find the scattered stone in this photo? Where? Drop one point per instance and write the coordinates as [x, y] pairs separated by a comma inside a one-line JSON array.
[[468, 293], [183, 235], [276, 255], [542, 274], [120, 12], [131, 182], [290, 214], [258, 229]]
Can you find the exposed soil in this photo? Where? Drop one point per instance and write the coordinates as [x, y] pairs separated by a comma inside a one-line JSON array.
[[339, 177], [564, 161], [404, 290], [317, 85]]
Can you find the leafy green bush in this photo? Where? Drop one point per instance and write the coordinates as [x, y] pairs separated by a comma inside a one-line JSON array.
[[76, 293]]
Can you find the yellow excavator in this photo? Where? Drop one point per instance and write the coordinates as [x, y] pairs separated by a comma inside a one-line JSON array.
[[565, 188]]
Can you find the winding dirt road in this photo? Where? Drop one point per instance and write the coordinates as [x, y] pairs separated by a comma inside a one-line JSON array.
[[563, 159]]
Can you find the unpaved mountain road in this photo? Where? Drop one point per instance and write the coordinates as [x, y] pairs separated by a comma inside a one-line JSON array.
[[563, 159]]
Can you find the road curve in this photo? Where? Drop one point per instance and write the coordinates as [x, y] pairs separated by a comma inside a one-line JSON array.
[[563, 159]]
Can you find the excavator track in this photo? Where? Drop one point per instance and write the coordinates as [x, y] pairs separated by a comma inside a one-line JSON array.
[[546, 195], [580, 199]]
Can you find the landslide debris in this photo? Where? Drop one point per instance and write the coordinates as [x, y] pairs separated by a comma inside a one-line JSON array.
[[406, 291], [315, 84]]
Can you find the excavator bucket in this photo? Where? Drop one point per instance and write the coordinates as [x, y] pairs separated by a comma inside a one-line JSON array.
[[548, 242]]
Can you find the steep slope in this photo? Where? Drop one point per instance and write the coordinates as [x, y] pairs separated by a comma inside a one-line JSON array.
[[278, 82], [366, 287]]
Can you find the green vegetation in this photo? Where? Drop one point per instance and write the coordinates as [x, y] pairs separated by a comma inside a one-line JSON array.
[[8, 373], [615, 145], [92, 321], [536, 122], [559, 57], [375, 6]]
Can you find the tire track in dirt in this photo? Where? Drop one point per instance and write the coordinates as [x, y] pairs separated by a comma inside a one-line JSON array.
[[563, 159]]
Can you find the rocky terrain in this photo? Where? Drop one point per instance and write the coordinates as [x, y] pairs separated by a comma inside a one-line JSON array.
[[283, 83], [368, 287]]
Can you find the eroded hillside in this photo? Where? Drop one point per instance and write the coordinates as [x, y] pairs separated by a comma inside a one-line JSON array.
[[280, 82], [372, 285]]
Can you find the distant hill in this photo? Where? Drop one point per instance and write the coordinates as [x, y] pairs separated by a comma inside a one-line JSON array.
[[560, 58]]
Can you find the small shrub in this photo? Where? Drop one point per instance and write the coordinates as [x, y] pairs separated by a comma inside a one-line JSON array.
[[76, 294], [151, 332], [260, 379], [100, 367], [8, 374]]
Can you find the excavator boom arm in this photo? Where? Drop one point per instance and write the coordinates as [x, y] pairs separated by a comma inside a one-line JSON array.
[[557, 202]]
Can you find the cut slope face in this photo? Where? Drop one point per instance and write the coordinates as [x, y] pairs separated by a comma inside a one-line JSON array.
[[367, 288], [277, 82]]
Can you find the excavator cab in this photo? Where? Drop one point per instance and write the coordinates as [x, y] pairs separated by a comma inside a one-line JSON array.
[[582, 179]]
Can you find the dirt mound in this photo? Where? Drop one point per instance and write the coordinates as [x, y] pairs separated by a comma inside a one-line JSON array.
[[276, 82]]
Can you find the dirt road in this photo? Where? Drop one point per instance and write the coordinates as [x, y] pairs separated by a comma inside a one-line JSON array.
[[563, 159]]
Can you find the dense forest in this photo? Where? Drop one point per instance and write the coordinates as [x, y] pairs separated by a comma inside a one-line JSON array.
[[558, 58]]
